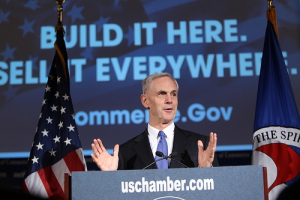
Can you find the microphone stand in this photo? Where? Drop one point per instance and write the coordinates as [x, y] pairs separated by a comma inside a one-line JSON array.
[[160, 154]]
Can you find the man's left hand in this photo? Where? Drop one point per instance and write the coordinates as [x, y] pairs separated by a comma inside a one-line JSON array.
[[206, 157]]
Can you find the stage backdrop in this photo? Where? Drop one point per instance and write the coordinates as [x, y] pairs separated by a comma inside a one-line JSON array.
[[213, 48]]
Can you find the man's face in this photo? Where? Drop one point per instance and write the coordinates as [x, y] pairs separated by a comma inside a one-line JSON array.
[[161, 99]]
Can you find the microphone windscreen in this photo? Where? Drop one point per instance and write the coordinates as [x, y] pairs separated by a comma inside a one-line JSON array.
[[160, 154], [174, 154]]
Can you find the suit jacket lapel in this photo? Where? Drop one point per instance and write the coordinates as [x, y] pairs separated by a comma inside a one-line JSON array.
[[143, 150], [180, 144]]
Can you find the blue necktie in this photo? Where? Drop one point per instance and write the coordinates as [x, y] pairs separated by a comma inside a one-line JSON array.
[[162, 147]]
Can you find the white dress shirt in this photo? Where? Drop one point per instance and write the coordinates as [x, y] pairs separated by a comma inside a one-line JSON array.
[[154, 138]]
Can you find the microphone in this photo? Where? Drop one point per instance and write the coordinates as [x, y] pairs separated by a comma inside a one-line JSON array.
[[171, 156], [160, 154], [174, 154]]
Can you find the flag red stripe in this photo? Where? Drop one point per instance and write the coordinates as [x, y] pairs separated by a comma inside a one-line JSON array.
[[51, 184], [73, 162], [24, 188]]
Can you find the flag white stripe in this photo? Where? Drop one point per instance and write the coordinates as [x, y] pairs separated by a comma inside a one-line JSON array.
[[59, 169], [35, 185], [81, 156]]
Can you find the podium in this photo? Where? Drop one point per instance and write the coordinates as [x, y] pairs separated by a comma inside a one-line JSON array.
[[239, 182]]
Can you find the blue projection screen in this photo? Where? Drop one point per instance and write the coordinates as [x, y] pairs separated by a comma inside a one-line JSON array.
[[213, 48]]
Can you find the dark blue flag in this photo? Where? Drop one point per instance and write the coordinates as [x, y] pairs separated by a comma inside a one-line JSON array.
[[276, 138]]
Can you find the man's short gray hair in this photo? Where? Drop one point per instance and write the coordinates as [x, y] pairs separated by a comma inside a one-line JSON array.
[[147, 81]]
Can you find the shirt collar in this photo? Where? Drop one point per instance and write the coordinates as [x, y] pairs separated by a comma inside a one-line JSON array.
[[169, 131]]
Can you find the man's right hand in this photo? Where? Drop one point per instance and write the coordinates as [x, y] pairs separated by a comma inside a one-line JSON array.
[[102, 158]]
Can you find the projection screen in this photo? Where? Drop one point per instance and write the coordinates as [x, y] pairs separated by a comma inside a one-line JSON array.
[[213, 48]]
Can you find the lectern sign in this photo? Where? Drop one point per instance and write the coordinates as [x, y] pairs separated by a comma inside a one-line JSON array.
[[245, 182]]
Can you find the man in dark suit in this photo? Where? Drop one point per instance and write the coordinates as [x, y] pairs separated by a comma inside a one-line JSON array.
[[160, 92]]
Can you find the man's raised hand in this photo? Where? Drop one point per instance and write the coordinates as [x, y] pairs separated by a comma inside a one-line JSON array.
[[102, 158], [206, 157]]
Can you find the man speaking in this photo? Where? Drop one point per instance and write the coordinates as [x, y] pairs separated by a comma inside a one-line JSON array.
[[162, 138]]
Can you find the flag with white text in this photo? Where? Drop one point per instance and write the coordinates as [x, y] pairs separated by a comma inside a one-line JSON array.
[[56, 148], [276, 138]]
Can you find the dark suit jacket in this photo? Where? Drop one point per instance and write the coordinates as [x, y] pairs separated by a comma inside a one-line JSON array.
[[136, 153]]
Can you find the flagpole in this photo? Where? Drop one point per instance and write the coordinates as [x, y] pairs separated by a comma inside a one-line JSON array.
[[60, 27], [60, 9], [271, 15]]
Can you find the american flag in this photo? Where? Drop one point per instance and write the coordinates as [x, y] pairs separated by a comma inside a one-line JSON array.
[[56, 148]]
